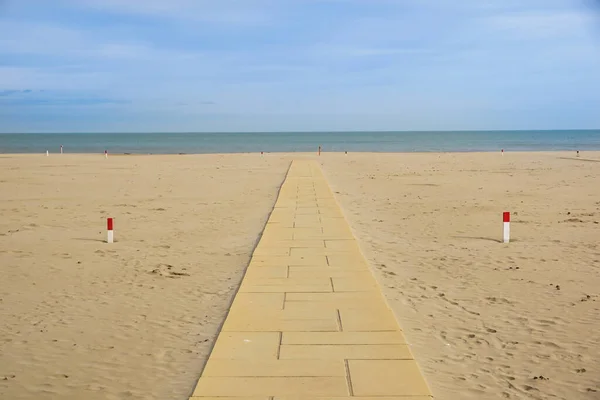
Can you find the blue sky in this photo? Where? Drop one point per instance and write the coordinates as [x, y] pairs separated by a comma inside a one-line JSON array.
[[263, 65]]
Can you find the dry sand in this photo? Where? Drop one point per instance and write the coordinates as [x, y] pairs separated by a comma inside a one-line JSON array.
[[485, 319], [136, 319], [81, 319]]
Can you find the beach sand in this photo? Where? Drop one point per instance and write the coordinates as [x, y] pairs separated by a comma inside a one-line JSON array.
[[485, 319], [82, 319], [136, 319]]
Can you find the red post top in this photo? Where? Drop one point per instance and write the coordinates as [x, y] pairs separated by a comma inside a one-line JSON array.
[[109, 224], [506, 216]]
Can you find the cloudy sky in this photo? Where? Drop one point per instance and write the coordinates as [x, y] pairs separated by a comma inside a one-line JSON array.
[[263, 65]]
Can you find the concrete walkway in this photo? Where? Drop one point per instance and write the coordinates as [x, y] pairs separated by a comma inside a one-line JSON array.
[[309, 320]]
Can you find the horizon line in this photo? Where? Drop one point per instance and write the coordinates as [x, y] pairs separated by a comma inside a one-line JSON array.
[[308, 131]]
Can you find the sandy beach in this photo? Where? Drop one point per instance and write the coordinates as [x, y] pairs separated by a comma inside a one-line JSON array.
[[485, 320], [137, 319]]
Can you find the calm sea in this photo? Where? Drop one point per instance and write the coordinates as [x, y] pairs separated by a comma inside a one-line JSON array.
[[300, 142]]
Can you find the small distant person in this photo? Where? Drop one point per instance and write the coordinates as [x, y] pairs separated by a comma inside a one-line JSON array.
[[577, 153], [61, 149], [346, 152], [319, 150]]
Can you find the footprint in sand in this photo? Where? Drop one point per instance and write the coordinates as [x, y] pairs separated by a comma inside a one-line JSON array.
[[166, 270]]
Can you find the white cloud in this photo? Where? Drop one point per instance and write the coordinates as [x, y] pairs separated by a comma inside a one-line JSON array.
[[543, 24], [333, 50], [19, 78], [59, 41], [227, 12]]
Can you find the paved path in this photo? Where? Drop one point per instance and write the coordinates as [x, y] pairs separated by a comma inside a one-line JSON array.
[[309, 320]]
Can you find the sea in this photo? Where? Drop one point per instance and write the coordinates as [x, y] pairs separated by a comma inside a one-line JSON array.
[[253, 142]]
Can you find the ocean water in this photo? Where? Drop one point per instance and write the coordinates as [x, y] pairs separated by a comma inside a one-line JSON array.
[[246, 142]]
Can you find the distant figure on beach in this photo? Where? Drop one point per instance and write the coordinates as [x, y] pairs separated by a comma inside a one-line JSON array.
[[577, 153], [319, 150], [61, 149]]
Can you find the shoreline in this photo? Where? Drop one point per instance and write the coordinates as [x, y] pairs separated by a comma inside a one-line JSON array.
[[323, 152]]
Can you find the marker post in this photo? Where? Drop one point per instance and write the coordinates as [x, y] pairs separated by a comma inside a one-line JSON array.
[[506, 219], [109, 227]]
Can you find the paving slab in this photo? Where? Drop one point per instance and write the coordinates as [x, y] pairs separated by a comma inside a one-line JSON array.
[[263, 301], [300, 311], [275, 234], [393, 337], [342, 261], [289, 288], [321, 251], [386, 377], [352, 284], [368, 319], [257, 386], [282, 243], [309, 321], [349, 245], [309, 220], [346, 351], [308, 210], [232, 398], [338, 299], [328, 272], [297, 368], [247, 345], [347, 398], [319, 307], [314, 234], [273, 251], [267, 272], [312, 260], [280, 325], [306, 280]]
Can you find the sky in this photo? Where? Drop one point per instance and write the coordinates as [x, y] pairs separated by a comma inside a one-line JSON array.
[[298, 65]]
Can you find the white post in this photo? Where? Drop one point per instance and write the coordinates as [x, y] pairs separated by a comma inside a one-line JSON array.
[[109, 226], [506, 218], [61, 149]]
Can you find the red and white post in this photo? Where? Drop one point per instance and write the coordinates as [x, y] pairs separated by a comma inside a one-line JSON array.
[[506, 219], [109, 227]]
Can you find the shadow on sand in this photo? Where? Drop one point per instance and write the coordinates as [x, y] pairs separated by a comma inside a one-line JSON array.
[[481, 238], [578, 159], [91, 240]]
